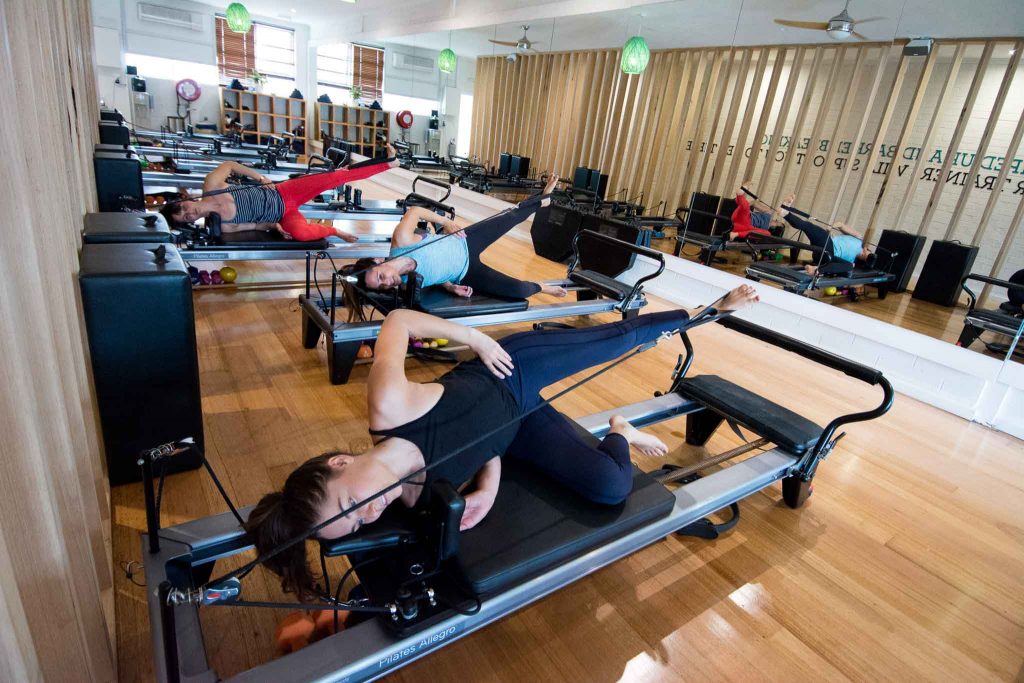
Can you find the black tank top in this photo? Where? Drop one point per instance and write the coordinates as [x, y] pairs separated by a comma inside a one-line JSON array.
[[474, 402]]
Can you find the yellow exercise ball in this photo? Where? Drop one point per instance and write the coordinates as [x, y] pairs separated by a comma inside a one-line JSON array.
[[829, 291], [229, 274]]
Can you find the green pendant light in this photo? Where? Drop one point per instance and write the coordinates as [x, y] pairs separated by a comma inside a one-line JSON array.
[[446, 60], [635, 56], [238, 18]]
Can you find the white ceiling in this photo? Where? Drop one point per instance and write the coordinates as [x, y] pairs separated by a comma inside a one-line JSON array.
[[582, 24]]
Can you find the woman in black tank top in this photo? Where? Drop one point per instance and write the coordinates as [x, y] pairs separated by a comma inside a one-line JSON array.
[[417, 424]]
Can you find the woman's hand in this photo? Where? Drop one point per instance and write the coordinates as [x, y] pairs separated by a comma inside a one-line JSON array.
[[491, 354], [346, 236], [264, 180], [478, 504], [450, 227]]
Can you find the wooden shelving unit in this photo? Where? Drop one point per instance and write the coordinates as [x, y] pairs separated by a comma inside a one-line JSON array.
[[266, 114], [358, 125]]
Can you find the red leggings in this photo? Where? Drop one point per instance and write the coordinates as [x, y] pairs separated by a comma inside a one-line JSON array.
[[741, 224], [298, 191]]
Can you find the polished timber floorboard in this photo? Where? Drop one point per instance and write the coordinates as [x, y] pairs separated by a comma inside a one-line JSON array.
[[906, 564]]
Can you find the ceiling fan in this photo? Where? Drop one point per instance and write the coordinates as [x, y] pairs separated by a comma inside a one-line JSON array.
[[840, 27], [524, 44]]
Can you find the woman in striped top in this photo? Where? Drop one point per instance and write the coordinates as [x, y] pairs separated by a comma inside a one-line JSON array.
[[270, 205]]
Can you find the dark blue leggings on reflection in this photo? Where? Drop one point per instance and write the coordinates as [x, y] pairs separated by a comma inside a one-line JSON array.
[[547, 439]]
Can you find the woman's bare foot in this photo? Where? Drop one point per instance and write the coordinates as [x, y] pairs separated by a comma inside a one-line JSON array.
[[739, 298], [648, 444], [552, 184], [553, 290], [789, 199]]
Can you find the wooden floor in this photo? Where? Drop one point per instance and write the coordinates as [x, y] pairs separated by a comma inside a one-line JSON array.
[[907, 563]]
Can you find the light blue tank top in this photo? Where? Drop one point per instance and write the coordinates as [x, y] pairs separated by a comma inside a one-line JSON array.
[[846, 247], [445, 260]]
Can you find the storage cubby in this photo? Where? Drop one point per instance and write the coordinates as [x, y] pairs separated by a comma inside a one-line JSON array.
[[263, 115], [357, 125]]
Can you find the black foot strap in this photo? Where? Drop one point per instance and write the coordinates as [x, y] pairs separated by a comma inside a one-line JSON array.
[[708, 530], [702, 528], [553, 326]]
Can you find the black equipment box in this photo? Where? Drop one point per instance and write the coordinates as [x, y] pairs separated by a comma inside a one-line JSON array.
[[142, 341], [119, 181], [907, 249], [948, 263], [113, 133]]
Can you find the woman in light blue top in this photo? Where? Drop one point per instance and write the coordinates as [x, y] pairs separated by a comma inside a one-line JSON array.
[[453, 262], [848, 246]]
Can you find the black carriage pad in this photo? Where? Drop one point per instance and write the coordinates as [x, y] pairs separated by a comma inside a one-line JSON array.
[[536, 523], [794, 274], [996, 317], [779, 425], [268, 239], [437, 301]]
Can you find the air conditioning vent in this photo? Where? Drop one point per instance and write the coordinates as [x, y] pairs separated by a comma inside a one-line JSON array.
[[412, 62], [168, 16]]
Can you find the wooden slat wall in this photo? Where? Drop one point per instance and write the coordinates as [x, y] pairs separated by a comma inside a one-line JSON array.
[[667, 132], [55, 571]]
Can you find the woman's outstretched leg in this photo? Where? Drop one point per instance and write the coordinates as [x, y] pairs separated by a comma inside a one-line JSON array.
[[541, 358], [484, 233]]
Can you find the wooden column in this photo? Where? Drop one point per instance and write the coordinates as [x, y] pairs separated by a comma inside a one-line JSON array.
[[986, 138], [954, 143]]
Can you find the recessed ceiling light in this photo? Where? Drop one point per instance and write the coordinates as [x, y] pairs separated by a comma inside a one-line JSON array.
[[292, 10], [1012, 50]]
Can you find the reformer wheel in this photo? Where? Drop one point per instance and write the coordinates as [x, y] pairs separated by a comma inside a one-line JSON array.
[[796, 491]]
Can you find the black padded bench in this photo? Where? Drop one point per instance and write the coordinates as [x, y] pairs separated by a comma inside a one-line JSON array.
[[728, 401], [117, 227], [266, 239], [509, 547]]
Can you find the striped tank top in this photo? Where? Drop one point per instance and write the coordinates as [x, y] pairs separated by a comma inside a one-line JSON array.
[[257, 204]]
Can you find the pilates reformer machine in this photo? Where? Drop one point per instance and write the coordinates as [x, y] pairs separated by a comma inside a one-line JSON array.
[[795, 279], [209, 243], [422, 584], [1006, 320], [423, 162], [594, 274], [707, 223]]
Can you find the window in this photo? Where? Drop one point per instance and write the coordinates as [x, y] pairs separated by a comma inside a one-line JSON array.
[[172, 69], [236, 52], [368, 71], [267, 49], [342, 66], [465, 125], [275, 51]]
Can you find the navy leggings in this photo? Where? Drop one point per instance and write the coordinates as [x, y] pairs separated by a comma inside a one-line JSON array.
[[547, 439], [816, 235], [480, 236]]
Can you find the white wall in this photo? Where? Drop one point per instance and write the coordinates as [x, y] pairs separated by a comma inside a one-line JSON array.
[[118, 30], [444, 89]]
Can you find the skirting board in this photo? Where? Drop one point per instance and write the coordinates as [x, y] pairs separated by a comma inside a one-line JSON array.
[[963, 382]]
